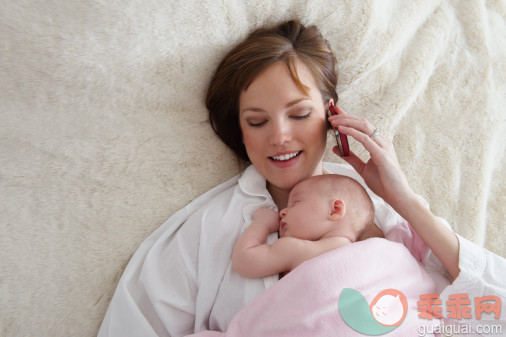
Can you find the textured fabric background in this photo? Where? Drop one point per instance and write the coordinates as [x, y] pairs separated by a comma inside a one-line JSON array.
[[104, 133]]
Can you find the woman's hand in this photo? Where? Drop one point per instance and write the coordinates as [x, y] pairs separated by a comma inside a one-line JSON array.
[[382, 172], [383, 175], [268, 218]]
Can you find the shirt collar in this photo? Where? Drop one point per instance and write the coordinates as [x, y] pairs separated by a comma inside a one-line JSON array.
[[253, 183]]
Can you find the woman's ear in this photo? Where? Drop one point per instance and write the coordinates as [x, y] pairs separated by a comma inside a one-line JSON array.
[[338, 209]]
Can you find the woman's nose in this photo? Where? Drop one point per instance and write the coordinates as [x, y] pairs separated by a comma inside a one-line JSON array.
[[280, 133]]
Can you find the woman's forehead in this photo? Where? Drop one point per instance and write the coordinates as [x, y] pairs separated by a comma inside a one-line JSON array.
[[277, 79]]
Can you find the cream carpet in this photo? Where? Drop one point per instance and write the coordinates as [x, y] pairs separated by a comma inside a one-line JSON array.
[[104, 132]]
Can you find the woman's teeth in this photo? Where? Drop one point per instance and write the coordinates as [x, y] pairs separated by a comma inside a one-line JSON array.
[[285, 157]]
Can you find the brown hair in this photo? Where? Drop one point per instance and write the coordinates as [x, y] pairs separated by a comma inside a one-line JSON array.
[[286, 42]]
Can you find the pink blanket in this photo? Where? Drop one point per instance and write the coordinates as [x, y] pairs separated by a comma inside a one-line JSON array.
[[306, 302]]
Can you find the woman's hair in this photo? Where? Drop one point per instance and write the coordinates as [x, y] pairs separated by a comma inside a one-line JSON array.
[[285, 42]]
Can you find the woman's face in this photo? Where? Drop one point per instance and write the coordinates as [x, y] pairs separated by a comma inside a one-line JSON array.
[[283, 129]]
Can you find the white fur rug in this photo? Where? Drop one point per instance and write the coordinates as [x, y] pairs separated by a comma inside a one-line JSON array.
[[104, 132]]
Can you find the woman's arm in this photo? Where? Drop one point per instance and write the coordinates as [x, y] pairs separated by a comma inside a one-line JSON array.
[[441, 240], [383, 175]]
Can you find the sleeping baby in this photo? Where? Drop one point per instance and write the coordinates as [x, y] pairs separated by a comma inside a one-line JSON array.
[[323, 230], [323, 213]]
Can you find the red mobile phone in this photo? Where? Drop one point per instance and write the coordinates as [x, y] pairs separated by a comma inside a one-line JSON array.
[[342, 140]]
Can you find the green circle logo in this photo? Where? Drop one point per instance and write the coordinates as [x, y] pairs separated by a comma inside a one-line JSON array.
[[385, 313]]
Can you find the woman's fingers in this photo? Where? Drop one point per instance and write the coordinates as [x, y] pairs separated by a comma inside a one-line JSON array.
[[373, 146], [382, 172], [361, 130], [358, 123], [344, 119], [339, 110], [352, 159]]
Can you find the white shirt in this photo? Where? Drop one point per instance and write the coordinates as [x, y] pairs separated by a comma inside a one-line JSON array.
[[180, 280]]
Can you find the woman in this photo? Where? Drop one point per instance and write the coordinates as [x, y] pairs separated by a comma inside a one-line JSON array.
[[268, 102]]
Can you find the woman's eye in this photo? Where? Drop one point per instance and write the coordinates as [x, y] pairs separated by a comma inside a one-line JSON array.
[[256, 124], [302, 116]]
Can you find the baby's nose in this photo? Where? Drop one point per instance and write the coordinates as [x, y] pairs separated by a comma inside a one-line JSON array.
[[282, 214]]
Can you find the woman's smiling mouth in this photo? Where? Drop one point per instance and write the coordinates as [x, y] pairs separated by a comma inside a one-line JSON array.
[[286, 156]]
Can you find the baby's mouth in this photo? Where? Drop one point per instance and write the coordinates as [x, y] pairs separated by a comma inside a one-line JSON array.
[[282, 227]]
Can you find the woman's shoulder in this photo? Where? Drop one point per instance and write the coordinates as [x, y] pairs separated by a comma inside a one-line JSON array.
[[214, 195]]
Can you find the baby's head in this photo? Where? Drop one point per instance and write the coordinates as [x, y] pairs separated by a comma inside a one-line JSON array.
[[328, 205]]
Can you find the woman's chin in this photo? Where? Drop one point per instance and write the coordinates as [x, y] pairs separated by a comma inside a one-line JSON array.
[[283, 184]]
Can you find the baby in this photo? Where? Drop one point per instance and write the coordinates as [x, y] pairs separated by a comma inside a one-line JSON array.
[[323, 213]]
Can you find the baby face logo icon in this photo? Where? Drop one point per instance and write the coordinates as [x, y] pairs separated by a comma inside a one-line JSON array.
[[385, 313], [389, 307]]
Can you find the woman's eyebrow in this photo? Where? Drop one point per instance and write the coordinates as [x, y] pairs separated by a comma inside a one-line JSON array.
[[288, 105], [253, 109], [297, 101]]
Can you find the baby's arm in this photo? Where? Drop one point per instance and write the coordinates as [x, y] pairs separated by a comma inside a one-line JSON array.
[[252, 257], [251, 251]]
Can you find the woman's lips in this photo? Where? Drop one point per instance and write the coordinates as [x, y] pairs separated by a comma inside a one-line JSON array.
[[285, 159], [285, 156]]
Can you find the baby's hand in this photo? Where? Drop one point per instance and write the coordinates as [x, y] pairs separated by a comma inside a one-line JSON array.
[[268, 218]]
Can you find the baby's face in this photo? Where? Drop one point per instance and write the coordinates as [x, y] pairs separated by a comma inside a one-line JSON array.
[[306, 214]]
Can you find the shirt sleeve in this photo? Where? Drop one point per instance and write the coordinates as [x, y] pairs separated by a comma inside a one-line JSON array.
[[482, 277], [156, 295], [157, 298], [480, 270]]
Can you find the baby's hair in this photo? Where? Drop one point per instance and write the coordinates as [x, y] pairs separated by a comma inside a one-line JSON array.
[[352, 193]]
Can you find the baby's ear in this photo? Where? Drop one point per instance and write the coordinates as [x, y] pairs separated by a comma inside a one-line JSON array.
[[338, 209]]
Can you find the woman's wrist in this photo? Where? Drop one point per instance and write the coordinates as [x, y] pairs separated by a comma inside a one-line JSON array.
[[440, 239], [407, 203]]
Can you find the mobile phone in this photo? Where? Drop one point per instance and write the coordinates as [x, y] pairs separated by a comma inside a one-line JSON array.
[[342, 140]]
